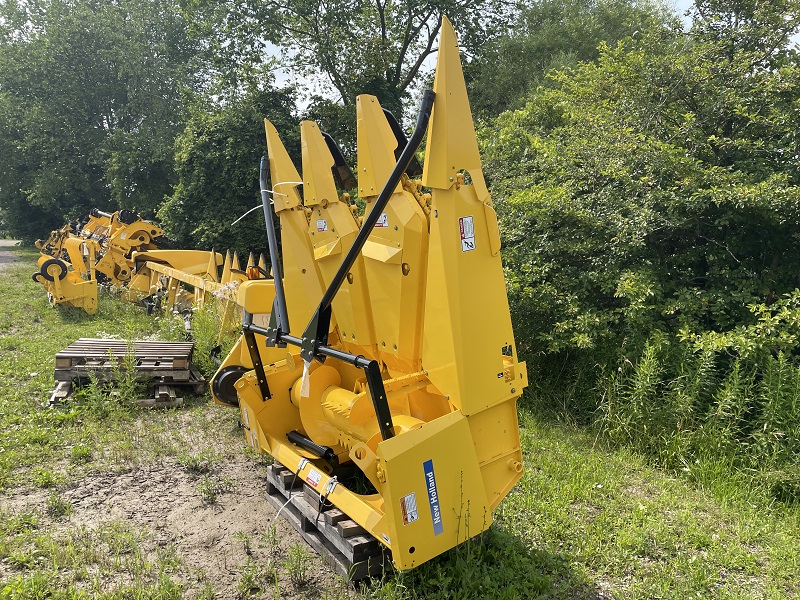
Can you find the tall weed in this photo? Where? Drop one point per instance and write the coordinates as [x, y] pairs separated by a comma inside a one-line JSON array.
[[685, 404]]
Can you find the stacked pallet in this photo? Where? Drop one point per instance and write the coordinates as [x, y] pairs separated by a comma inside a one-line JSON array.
[[346, 546], [162, 366]]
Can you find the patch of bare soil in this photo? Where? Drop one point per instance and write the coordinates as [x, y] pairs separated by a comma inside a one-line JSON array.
[[214, 542]]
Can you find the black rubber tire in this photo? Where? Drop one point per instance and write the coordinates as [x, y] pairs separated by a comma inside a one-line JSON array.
[[35, 276], [223, 384], [53, 261]]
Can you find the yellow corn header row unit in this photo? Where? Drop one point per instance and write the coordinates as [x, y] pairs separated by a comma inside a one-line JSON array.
[[386, 344], [124, 251], [383, 343]]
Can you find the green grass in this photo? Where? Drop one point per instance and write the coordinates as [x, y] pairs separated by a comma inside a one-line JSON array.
[[586, 521], [112, 560]]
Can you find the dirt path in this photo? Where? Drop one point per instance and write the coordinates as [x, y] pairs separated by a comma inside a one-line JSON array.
[[6, 255], [215, 542]]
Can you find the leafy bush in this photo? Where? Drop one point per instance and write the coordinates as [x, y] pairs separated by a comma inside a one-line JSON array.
[[650, 208], [217, 159]]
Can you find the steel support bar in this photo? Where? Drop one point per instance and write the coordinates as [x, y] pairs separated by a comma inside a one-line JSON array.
[[371, 368], [280, 315], [255, 356]]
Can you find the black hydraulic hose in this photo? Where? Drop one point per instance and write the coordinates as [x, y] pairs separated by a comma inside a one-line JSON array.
[[324, 452], [282, 317]]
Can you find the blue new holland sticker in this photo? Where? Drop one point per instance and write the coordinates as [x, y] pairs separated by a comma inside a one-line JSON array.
[[433, 497]]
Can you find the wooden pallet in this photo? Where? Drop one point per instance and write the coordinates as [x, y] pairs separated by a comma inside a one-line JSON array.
[[102, 357], [346, 546], [162, 365]]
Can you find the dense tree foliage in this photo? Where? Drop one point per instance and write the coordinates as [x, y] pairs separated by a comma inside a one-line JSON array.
[[655, 187], [650, 207], [376, 47], [91, 98], [217, 159], [546, 35]]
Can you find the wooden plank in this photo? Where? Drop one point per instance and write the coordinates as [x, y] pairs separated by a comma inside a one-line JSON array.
[[94, 342], [123, 353], [320, 545], [101, 347], [334, 515], [354, 548], [105, 351], [348, 528], [62, 390], [166, 376], [164, 393], [164, 364], [110, 365], [124, 350], [197, 381], [312, 496], [371, 565], [156, 403], [284, 478]]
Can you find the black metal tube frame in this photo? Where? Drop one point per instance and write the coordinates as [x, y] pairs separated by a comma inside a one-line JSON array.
[[280, 315]]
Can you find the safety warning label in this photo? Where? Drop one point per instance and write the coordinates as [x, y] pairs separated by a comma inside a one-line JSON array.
[[313, 477], [408, 506], [322, 225], [383, 220], [467, 227]]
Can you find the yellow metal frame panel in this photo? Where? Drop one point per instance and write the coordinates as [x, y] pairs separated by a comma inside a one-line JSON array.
[[450, 126], [395, 254], [467, 320], [302, 281], [433, 492], [376, 146], [332, 230]]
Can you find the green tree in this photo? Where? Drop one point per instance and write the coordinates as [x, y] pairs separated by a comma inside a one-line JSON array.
[[91, 97], [217, 160], [650, 208], [656, 188], [376, 47], [550, 34]]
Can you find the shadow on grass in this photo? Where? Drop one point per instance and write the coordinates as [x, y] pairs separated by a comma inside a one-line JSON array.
[[501, 566]]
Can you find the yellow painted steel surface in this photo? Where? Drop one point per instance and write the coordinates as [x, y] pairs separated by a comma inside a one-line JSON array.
[[301, 278], [426, 299], [333, 228], [68, 283], [394, 255]]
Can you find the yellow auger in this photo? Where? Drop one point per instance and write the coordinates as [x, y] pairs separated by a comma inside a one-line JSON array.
[[387, 345]]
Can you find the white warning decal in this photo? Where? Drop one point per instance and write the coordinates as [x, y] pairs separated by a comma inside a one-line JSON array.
[[383, 220], [408, 506], [313, 477], [322, 225], [467, 227]]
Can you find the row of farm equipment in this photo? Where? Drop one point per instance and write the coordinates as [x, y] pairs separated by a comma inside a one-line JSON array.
[[380, 345]]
